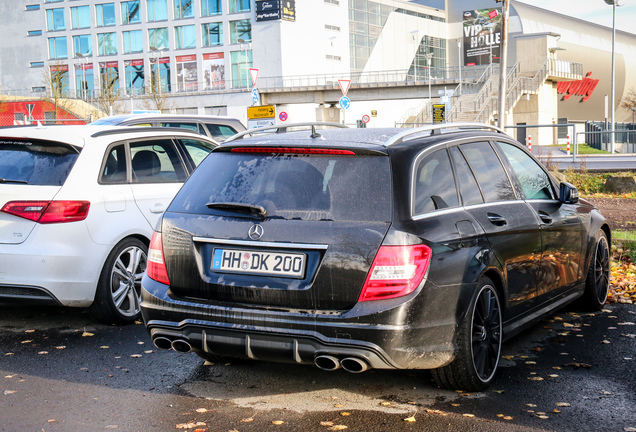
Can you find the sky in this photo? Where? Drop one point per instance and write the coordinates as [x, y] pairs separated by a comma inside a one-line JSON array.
[[596, 11]]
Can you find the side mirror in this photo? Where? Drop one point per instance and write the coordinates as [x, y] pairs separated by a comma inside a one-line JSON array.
[[568, 193]]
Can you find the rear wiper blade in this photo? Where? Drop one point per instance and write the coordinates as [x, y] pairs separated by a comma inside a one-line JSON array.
[[4, 180], [240, 207]]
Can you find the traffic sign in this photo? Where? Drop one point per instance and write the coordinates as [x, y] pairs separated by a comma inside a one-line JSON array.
[[256, 97], [261, 112], [344, 86], [345, 102], [282, 116], [254, 76], [366, 118]]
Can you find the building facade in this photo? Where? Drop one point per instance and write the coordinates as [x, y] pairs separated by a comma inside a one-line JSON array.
[[196, 55]]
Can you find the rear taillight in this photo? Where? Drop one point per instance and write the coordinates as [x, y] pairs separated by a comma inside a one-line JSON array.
[[48, 212], [396, 271], [156, 268], [293, 150]]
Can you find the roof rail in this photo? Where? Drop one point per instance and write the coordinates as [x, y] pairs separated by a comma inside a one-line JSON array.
[[283, 128], [437, 129], [118, 129]]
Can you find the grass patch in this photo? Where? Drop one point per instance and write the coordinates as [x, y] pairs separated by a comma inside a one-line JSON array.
[[624, 235], [585, 149]]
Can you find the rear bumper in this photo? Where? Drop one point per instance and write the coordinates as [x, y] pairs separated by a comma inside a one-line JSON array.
[[389, 334]]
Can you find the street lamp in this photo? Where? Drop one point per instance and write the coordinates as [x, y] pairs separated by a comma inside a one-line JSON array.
[[429, 56], [614, 3]]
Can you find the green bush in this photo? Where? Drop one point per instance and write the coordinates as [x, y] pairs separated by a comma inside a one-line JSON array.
[[587, 183]]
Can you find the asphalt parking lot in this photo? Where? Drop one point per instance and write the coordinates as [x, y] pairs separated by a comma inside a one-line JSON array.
[[60, 371]]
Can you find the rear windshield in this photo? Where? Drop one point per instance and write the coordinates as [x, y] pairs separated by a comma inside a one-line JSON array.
[[338, 188], [35, 162]]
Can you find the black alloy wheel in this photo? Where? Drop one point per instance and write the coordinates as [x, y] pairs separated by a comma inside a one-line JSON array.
[[598, 275]]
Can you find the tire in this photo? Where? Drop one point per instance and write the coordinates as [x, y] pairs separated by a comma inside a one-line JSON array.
[[598, 275], [119, 286], [479, 340]]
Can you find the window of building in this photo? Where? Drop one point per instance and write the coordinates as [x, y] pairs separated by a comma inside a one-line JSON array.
[[332, 28], [241, 29], [185, 37], [83, 44], [34, 33], [80, 17], [55, 19], [212, 34], [52, 1], [84, 80], [107, 43], [133, 41], [36, 64], [160, 75], [32, 7], [241, 63], [58, 79], [211, 7], [105, 14], [130, 13], [158, 38], [109, 79], [135, 80], [183, 9], [239, 6], [333, 2], [38, 89], [157, 10], [58, 48]]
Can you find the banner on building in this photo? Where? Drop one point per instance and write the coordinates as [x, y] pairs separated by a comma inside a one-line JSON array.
[[214, 71], [268, 10], [187, 76], [482, 36]]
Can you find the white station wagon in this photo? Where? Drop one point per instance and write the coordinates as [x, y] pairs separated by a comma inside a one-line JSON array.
[[78, 205]]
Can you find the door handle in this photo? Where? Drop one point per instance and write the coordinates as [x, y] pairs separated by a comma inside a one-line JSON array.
[[545, 217], [496, 219]]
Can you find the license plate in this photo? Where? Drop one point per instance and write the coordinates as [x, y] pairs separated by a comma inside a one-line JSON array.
[[289, 265]]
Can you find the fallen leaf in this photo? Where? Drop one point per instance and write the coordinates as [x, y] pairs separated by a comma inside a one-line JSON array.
[[556, 411], [201, 410], [26, 341], [606, 393], [247, 420], [278, 422], [499, 391], [338, 406], [87, 334], [10, 376], [605, 342], [531, 363], [553, 376], [136, 356], [562, 404], [385, 403], [29, 331], [9, 354], [508, 418], [410, 419], [326, 423], [61, 347], [578, 365], [51, 420], [9, 392], [344, 413], [535, 378], [531, 405], [43, 352], [338, 427], [104, 347], [438, 412], [468, 415], [456, 404], [190, 425]]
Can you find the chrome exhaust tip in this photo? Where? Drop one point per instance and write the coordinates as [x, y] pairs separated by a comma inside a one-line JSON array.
[[162, 342], [354, 365], [182, 346], [327, 362]]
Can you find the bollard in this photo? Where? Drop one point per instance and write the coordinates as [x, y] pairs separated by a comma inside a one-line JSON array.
[[529, 143], [568, 145]]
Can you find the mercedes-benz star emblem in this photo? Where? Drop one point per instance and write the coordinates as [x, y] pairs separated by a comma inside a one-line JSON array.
[[255, 232]]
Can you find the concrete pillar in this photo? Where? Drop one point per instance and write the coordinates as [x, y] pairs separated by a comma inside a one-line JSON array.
[[328, 114]]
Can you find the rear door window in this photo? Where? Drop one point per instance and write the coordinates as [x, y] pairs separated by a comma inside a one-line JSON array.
[[35, 162], [156, 161], [334, 188], [468, 188], [491, 176], [435, 184]]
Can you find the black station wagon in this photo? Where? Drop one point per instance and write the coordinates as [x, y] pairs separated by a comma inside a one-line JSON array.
[[371, 248]]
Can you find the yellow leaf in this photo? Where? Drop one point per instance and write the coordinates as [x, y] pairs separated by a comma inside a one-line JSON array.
[[562, 404], [278, 422], [326, 423], [87, 334], [410, 419], [385, 403], [468, 415], [338, 427], [338, 406], [344, 414], [508, 418], [202, 410], [247, 420]]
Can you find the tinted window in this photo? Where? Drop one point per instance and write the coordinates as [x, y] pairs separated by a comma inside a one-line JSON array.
[[35, 162], [341, 188], [535, 183], [491, 175], [114, 170], [468, 187], [220, 132], [435, 185], [184, 125], [156, 162], [198, 150]]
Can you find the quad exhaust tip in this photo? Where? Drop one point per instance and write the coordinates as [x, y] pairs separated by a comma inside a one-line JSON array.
[[162, 343], [350, 364], [327, 362], [179, 345], [354, 365]]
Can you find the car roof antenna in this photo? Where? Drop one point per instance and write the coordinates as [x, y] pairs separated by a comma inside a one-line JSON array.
[[314, 134]]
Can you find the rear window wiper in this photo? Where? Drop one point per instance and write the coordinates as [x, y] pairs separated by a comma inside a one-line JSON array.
[[4, 180], [239, 207]]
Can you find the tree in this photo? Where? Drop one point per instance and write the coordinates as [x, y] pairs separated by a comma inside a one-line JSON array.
[[110, 98], [156, 98], [56, 83], [629, 101]]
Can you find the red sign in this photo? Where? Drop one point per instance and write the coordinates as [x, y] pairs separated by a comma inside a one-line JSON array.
[[111, 64], [83, 66], [187, 58], [282, 116], [212, 56], [584, 87], [493, 13], [366, 118], [59, 68], [344, 86]]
